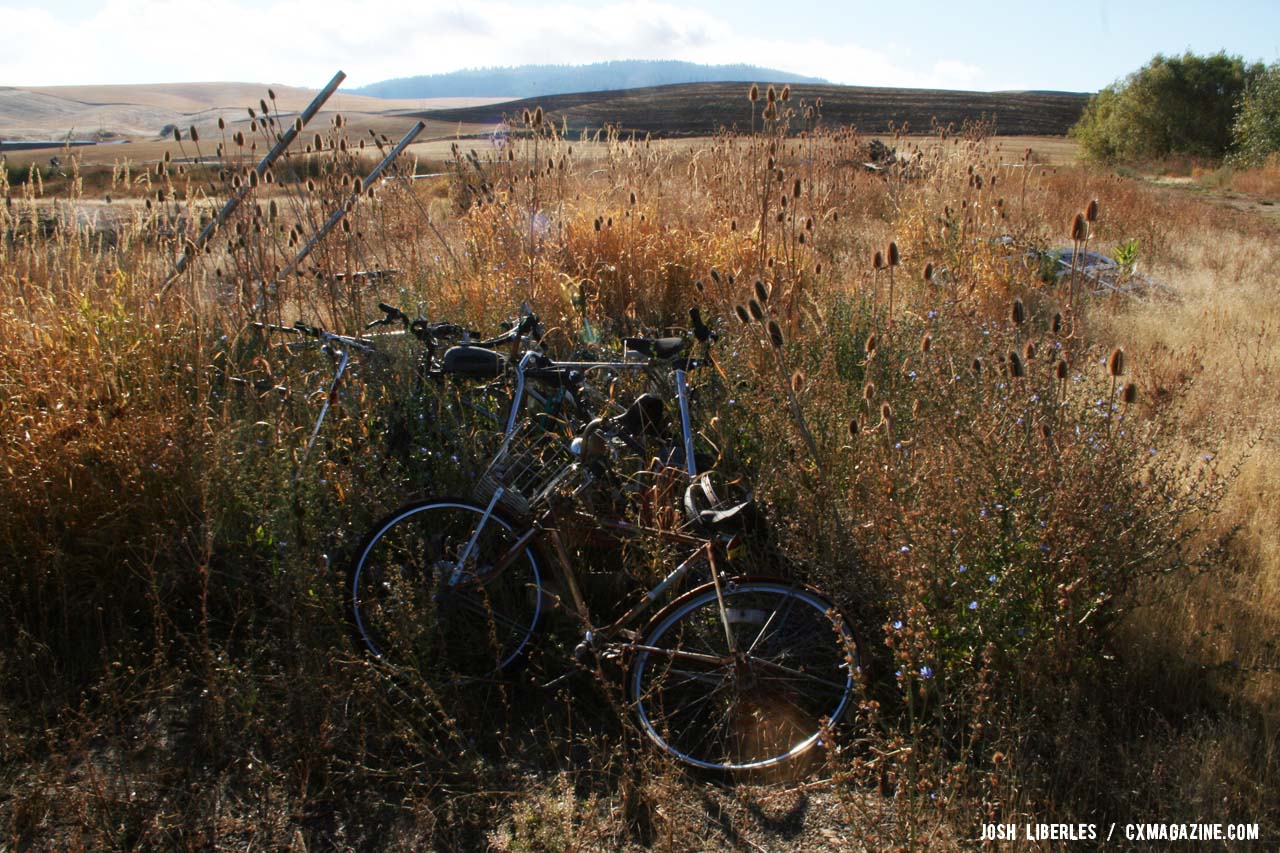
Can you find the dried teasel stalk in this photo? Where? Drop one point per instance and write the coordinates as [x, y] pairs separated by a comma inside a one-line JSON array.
[[775, 334], [1115, 363], [1016, 369]]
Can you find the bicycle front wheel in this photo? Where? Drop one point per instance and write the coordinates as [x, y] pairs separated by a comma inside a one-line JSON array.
[[747, 687], [435, 588]]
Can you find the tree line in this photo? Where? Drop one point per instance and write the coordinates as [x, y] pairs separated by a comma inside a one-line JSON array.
[[1214, 106]]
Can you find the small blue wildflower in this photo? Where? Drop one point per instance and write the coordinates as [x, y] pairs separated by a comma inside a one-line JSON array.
[[926, 672], [905, 548], [898, 673], [991, 579], [973, 605], [963, 568], [897, 624]]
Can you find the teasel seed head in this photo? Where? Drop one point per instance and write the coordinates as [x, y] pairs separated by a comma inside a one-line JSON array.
[[854, 428], [869, 391], [786, 93], [877, 260], [1115, 364], [753, 94], [1056, 325], [894, 257], [537, 117], [756, 309], [870, 346], [795, 189], [886, 411], [526, 117], [1061, 370], [239, 138], [253, 177], [1091, 212], [976, 364], [715, 275], [743, 314], [797, 382], [191, 131], [771, 95], [1047, 431], [222, 124], [1029, 351], [1015, 366], [1129, 394], [928, 271], [775, 334], [1079, 229], [762, 292], [297, 125], [1018, 314], [252, 114]]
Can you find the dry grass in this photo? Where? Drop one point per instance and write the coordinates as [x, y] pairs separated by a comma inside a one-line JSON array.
[[1058, 620]]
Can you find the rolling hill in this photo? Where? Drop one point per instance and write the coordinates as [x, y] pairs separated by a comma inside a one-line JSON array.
[[530, 81], [702, 108]]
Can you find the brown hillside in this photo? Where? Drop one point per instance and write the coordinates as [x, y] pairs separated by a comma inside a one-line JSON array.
[[702, 108]]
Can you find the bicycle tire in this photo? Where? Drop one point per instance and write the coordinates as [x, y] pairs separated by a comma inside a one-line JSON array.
[[795, 675], [404, 610]]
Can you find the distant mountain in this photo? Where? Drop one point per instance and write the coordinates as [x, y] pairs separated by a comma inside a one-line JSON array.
[[531, 81]]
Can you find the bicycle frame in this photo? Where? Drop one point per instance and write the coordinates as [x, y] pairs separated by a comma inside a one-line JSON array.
[[548, 522]]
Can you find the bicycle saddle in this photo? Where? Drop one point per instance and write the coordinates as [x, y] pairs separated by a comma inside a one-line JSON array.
[[706, 508], [660, 348], [475, 362], [645, 417]]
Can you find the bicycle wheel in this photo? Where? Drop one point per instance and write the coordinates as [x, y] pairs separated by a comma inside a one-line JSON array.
[[411, 603], [790, 673]]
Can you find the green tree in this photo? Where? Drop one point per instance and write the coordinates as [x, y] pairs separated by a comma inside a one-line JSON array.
[[1172, 105], [1256, 131]]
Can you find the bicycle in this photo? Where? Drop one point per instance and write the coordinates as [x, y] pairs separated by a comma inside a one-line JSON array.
[[738, 673]]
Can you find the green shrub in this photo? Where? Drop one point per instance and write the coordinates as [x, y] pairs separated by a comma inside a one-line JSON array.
[[1256, 131], [1172, 105]]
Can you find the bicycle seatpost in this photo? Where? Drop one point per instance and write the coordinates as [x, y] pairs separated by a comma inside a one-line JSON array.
[[686, 428]]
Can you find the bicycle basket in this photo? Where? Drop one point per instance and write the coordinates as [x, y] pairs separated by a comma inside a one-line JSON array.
[[533, 461]]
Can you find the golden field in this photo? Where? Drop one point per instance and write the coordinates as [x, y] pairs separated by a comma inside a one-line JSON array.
[[1063, 565]]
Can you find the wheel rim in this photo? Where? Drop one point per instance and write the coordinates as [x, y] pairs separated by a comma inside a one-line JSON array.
[[401, 600], [794, 675]]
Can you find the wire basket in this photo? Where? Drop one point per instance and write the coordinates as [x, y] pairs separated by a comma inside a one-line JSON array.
[[533, 461]]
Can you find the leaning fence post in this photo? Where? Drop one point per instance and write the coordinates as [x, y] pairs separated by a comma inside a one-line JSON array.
[[238, 196], [342, 209]]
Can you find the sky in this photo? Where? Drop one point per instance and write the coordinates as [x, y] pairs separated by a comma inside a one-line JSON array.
[[950, 45]]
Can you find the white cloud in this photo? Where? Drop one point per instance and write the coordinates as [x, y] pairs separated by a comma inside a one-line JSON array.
[[303, 43]]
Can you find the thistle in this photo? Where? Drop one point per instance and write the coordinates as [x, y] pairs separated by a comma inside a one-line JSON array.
[[775, 334]]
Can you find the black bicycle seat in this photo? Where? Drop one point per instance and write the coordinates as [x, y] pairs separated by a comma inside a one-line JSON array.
[[707, 509], [731, 518], [645, 417], [660, 348], [474, 362]]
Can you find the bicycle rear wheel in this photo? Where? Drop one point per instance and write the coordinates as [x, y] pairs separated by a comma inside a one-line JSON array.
[[791, 673], [411, 603]]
